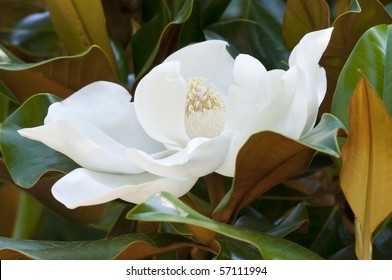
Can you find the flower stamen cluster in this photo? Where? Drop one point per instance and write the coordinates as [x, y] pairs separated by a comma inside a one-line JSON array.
[[204, 109]]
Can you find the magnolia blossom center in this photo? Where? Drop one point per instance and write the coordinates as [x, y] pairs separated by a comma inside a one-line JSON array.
[[204, 109]]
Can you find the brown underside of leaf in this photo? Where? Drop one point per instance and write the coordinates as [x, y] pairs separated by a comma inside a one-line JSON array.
[[61, 76], [266, 160], [366, 177]]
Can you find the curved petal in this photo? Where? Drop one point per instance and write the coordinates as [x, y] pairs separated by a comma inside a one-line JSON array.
[[306, 56], [83, 187], [310, 48], [106, 106], [286, 114], [200, 157], [250, 94], [85, 144], [209, 59], [160, 104]]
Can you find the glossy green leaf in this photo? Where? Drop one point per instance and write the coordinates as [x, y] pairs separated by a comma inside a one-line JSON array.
[[35, 34], [348, 29], [365, 176], [268, 159], [80, 25], [130, 246], [372, 56], [28, 160], [60, 76], [168, 39], [213, 10], [258, 35], [248, 37], [232, 249], [145, 39], [295, 219], [165, 207], [302, 17], [327, 234]]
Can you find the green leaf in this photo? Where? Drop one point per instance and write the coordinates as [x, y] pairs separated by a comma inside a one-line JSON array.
[[61, 76], [35, 34], [130, 246], [80, 25], [269, 158], [232, 249], [295, 219], [365, 176], [372, 57], [28, 160], [258, 35], [148, 36], [327, 234], [302, 17], [348, 29], [164, 207], [248, 37], [168, 39]]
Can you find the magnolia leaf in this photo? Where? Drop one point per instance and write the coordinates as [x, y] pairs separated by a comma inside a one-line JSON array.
[[366, 175], [130, 246], [12, 11], [259, 34], [60, 76], [348, 29], [35, 34], [8, 208], [80, 25], [28, 160], [372, 56], [167, 42], [164, 207], [232, 249], [269, 158], [302, 17]]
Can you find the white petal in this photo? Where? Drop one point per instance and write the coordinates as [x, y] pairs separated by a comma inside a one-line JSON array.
[[83, 187], [160, 104], [306, 56], [250, 94], [106, 106], [309, 50], [85, 144], [286, 114], [208, 59], [200, 157]]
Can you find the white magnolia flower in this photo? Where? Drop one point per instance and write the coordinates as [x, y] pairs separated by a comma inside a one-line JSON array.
[[94, 127], [191, 115], [203, 105]]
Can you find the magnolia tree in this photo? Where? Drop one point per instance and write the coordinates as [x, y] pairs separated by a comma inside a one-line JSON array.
[[198, 129]]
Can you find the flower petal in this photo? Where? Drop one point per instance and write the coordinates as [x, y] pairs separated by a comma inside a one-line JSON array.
[[83, 187], [250, 94], [200, 157], [306, 56], [85, 144], [160, 104], [209, 59], [106, 106], [286, 114]]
